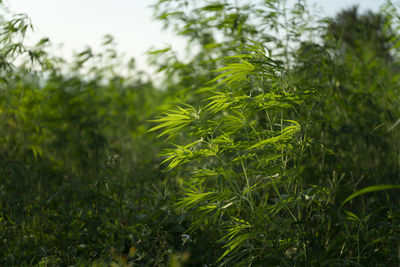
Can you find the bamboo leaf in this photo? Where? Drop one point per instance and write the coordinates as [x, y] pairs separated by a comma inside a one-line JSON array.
[[369, 189]]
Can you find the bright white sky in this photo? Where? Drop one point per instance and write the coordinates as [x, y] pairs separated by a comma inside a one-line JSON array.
[[78, 23]]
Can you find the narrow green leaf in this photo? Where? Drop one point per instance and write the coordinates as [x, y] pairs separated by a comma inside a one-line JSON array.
[[370, 189]]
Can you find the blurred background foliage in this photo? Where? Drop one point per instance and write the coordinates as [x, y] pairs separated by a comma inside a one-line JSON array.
[[82, 182]]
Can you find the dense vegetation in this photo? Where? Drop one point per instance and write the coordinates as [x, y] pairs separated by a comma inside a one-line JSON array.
[[274, 143]]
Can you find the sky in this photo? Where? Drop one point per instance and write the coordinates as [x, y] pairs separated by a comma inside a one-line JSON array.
[[72, 25]]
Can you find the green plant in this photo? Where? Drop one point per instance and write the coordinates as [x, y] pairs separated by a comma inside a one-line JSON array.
[[285, 156], [240, 166]]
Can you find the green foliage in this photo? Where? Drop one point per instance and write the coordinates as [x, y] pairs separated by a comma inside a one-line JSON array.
[[79, 175], [283, 151], [239, 171], [347, 141]]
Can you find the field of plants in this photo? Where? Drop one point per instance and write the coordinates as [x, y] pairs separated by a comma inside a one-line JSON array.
[[275, 142]]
